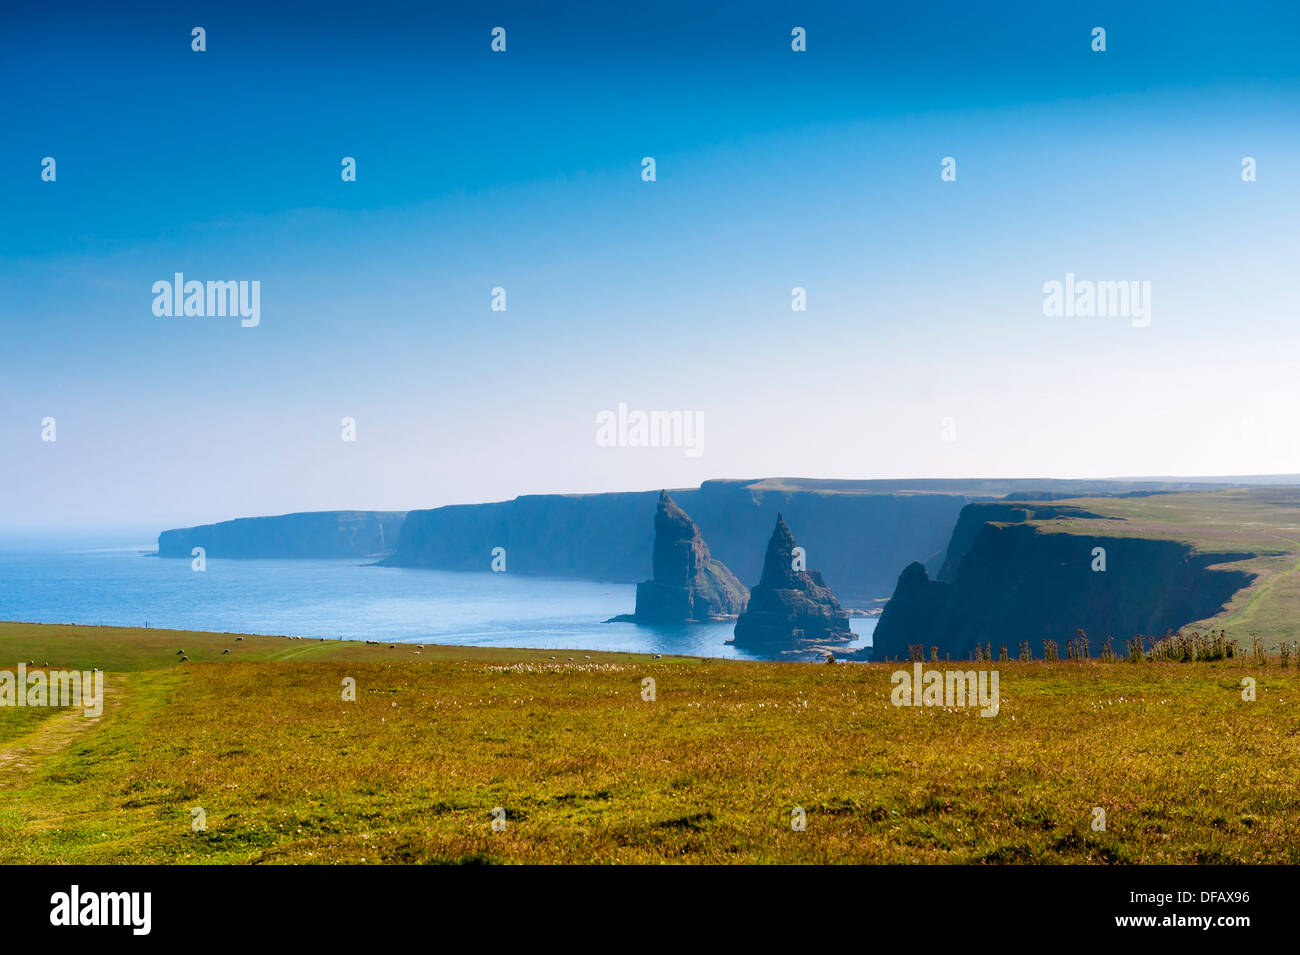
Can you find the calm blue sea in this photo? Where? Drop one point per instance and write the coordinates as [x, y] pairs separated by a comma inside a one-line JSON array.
[[340, 598]]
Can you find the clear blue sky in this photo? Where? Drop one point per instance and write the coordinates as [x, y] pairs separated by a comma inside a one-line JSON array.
[[522, 170]]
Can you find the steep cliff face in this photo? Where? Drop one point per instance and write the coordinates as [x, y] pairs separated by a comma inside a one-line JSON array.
[[688, 584], [857, 532], [858, 539], [1017, 583], [312, 534], [582, 536], [790, 609], [975, 516]]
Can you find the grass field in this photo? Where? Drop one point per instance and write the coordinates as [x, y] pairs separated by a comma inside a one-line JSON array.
[[587, 771]]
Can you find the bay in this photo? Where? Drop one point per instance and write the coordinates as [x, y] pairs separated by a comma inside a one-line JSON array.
[[342, 599]]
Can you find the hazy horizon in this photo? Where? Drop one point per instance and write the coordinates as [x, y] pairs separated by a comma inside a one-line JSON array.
[[145, 535]]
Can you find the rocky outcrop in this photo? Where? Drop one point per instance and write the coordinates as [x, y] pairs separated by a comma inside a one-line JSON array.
[[790, 609], [306, 535], [1020, 584], [688, 584], [861, 534]]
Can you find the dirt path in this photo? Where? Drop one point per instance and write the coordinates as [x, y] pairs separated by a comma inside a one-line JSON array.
[[19, 757]]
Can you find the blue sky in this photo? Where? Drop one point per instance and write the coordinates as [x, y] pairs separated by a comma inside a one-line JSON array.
[[775, 169]]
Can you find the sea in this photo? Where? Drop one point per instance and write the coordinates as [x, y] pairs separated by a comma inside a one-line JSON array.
[[349, 599]]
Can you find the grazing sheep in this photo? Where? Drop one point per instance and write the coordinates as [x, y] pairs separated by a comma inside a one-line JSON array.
[[237, 639], [185, 659], [227, 650], [180, 653]]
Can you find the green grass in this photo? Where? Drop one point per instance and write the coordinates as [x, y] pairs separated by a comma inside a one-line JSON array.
[[128, 649], [18, 722], [587, 771]]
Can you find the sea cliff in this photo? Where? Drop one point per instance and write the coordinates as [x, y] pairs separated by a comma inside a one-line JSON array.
[[305, 535], [858, 538], [1019, 583]]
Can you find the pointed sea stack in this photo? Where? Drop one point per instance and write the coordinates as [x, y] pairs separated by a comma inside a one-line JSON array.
[[688, 584], [790, 609]]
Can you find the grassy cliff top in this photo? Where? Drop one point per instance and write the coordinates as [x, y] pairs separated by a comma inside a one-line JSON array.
[[1261, 524], [129, 649], [984, 487], [970, 487]]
